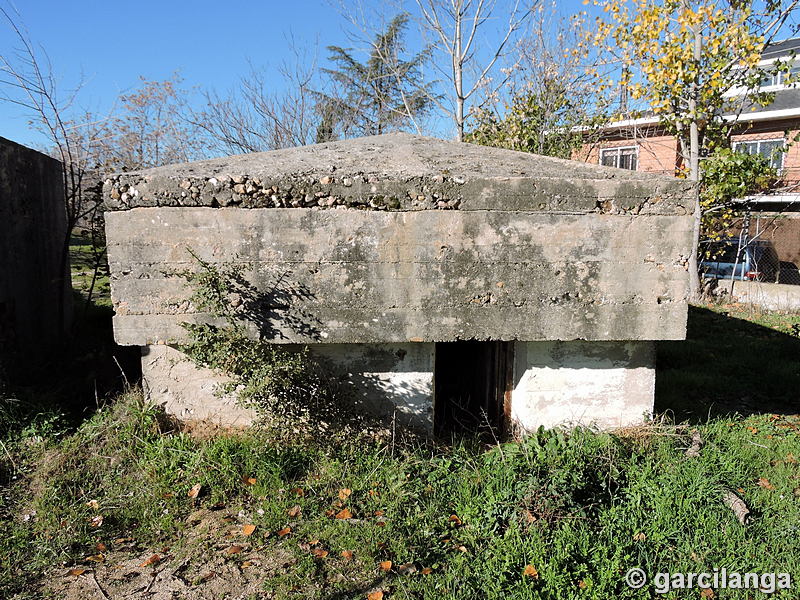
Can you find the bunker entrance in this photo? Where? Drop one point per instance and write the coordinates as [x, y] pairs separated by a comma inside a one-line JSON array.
[[472, 383]]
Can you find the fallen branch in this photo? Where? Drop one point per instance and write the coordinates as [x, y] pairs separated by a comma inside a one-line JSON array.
[[693, 451], [99, 588], [737, 505]]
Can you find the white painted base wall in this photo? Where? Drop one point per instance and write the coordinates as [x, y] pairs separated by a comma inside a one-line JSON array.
[[603, 384], [386, 379], [383, 379], [186, 391]]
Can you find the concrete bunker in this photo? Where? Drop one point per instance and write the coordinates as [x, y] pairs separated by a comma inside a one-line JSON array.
[[455, 285]]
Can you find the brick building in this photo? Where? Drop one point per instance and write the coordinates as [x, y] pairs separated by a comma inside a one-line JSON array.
[[642, 144]]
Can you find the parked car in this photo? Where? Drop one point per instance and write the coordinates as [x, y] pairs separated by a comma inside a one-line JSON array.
[[757, 260]]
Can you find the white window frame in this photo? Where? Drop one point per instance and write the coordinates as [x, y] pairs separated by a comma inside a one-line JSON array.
[[619, 149], [774, 85], [758, 143]]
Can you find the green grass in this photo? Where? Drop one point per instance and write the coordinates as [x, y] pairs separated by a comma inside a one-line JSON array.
[[581, 508], [735, 360], [82, 260]]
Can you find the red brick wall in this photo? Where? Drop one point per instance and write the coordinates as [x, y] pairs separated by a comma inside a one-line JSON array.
[[791, 160], [657, 154]]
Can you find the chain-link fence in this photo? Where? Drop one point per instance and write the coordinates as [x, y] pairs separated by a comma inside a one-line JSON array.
[[761, 247]]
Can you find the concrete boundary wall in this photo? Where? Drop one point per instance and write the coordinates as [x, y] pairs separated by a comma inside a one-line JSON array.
[[35, 289], [771, 296]]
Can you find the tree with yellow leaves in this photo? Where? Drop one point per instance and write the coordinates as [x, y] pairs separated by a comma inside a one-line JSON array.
[[690, 62]]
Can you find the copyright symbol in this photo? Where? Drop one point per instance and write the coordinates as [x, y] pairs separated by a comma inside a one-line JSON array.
[[635, 578]]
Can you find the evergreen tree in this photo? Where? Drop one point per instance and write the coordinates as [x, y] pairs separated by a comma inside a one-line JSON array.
[[385, 93]]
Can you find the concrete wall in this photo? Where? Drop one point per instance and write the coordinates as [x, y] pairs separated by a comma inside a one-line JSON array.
[[770, 296], [170, 379], [375, 277], [382, 379], [32, 233], [385, 379], [607, 384], [604, 384]]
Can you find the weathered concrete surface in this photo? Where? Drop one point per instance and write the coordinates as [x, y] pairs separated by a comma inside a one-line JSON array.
[[400, 172], [605, 384], [371, 249], [362, 277], [33, 228], [385, 379], [771, 296], [171, 380], [380, 379]]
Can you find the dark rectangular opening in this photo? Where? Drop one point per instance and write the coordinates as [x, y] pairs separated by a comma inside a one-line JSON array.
[[472, 385]]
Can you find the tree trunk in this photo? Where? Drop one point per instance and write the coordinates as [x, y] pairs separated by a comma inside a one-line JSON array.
[[458, 77], [694, 166]]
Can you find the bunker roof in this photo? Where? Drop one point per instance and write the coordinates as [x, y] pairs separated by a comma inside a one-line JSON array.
[[399, 171]]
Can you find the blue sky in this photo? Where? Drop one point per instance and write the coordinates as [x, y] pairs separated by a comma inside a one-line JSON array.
[[110, 44]]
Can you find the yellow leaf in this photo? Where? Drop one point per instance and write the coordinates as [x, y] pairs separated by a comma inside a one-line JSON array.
[[344, 514], [386, 565], [77, 571], [195, 491], [294, 511], [248, 530], [344, 493], [285, 531], [376, 595], [530, 571], [347, 554]]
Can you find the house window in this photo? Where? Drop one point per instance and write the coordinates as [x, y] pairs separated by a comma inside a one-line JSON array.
[[772, 150], [622, 158], [770, 78]]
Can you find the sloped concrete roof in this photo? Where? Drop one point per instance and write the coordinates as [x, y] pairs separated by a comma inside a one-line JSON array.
[[395, 171]]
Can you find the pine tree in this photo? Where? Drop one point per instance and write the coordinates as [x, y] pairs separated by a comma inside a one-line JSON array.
[[385, 93]]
